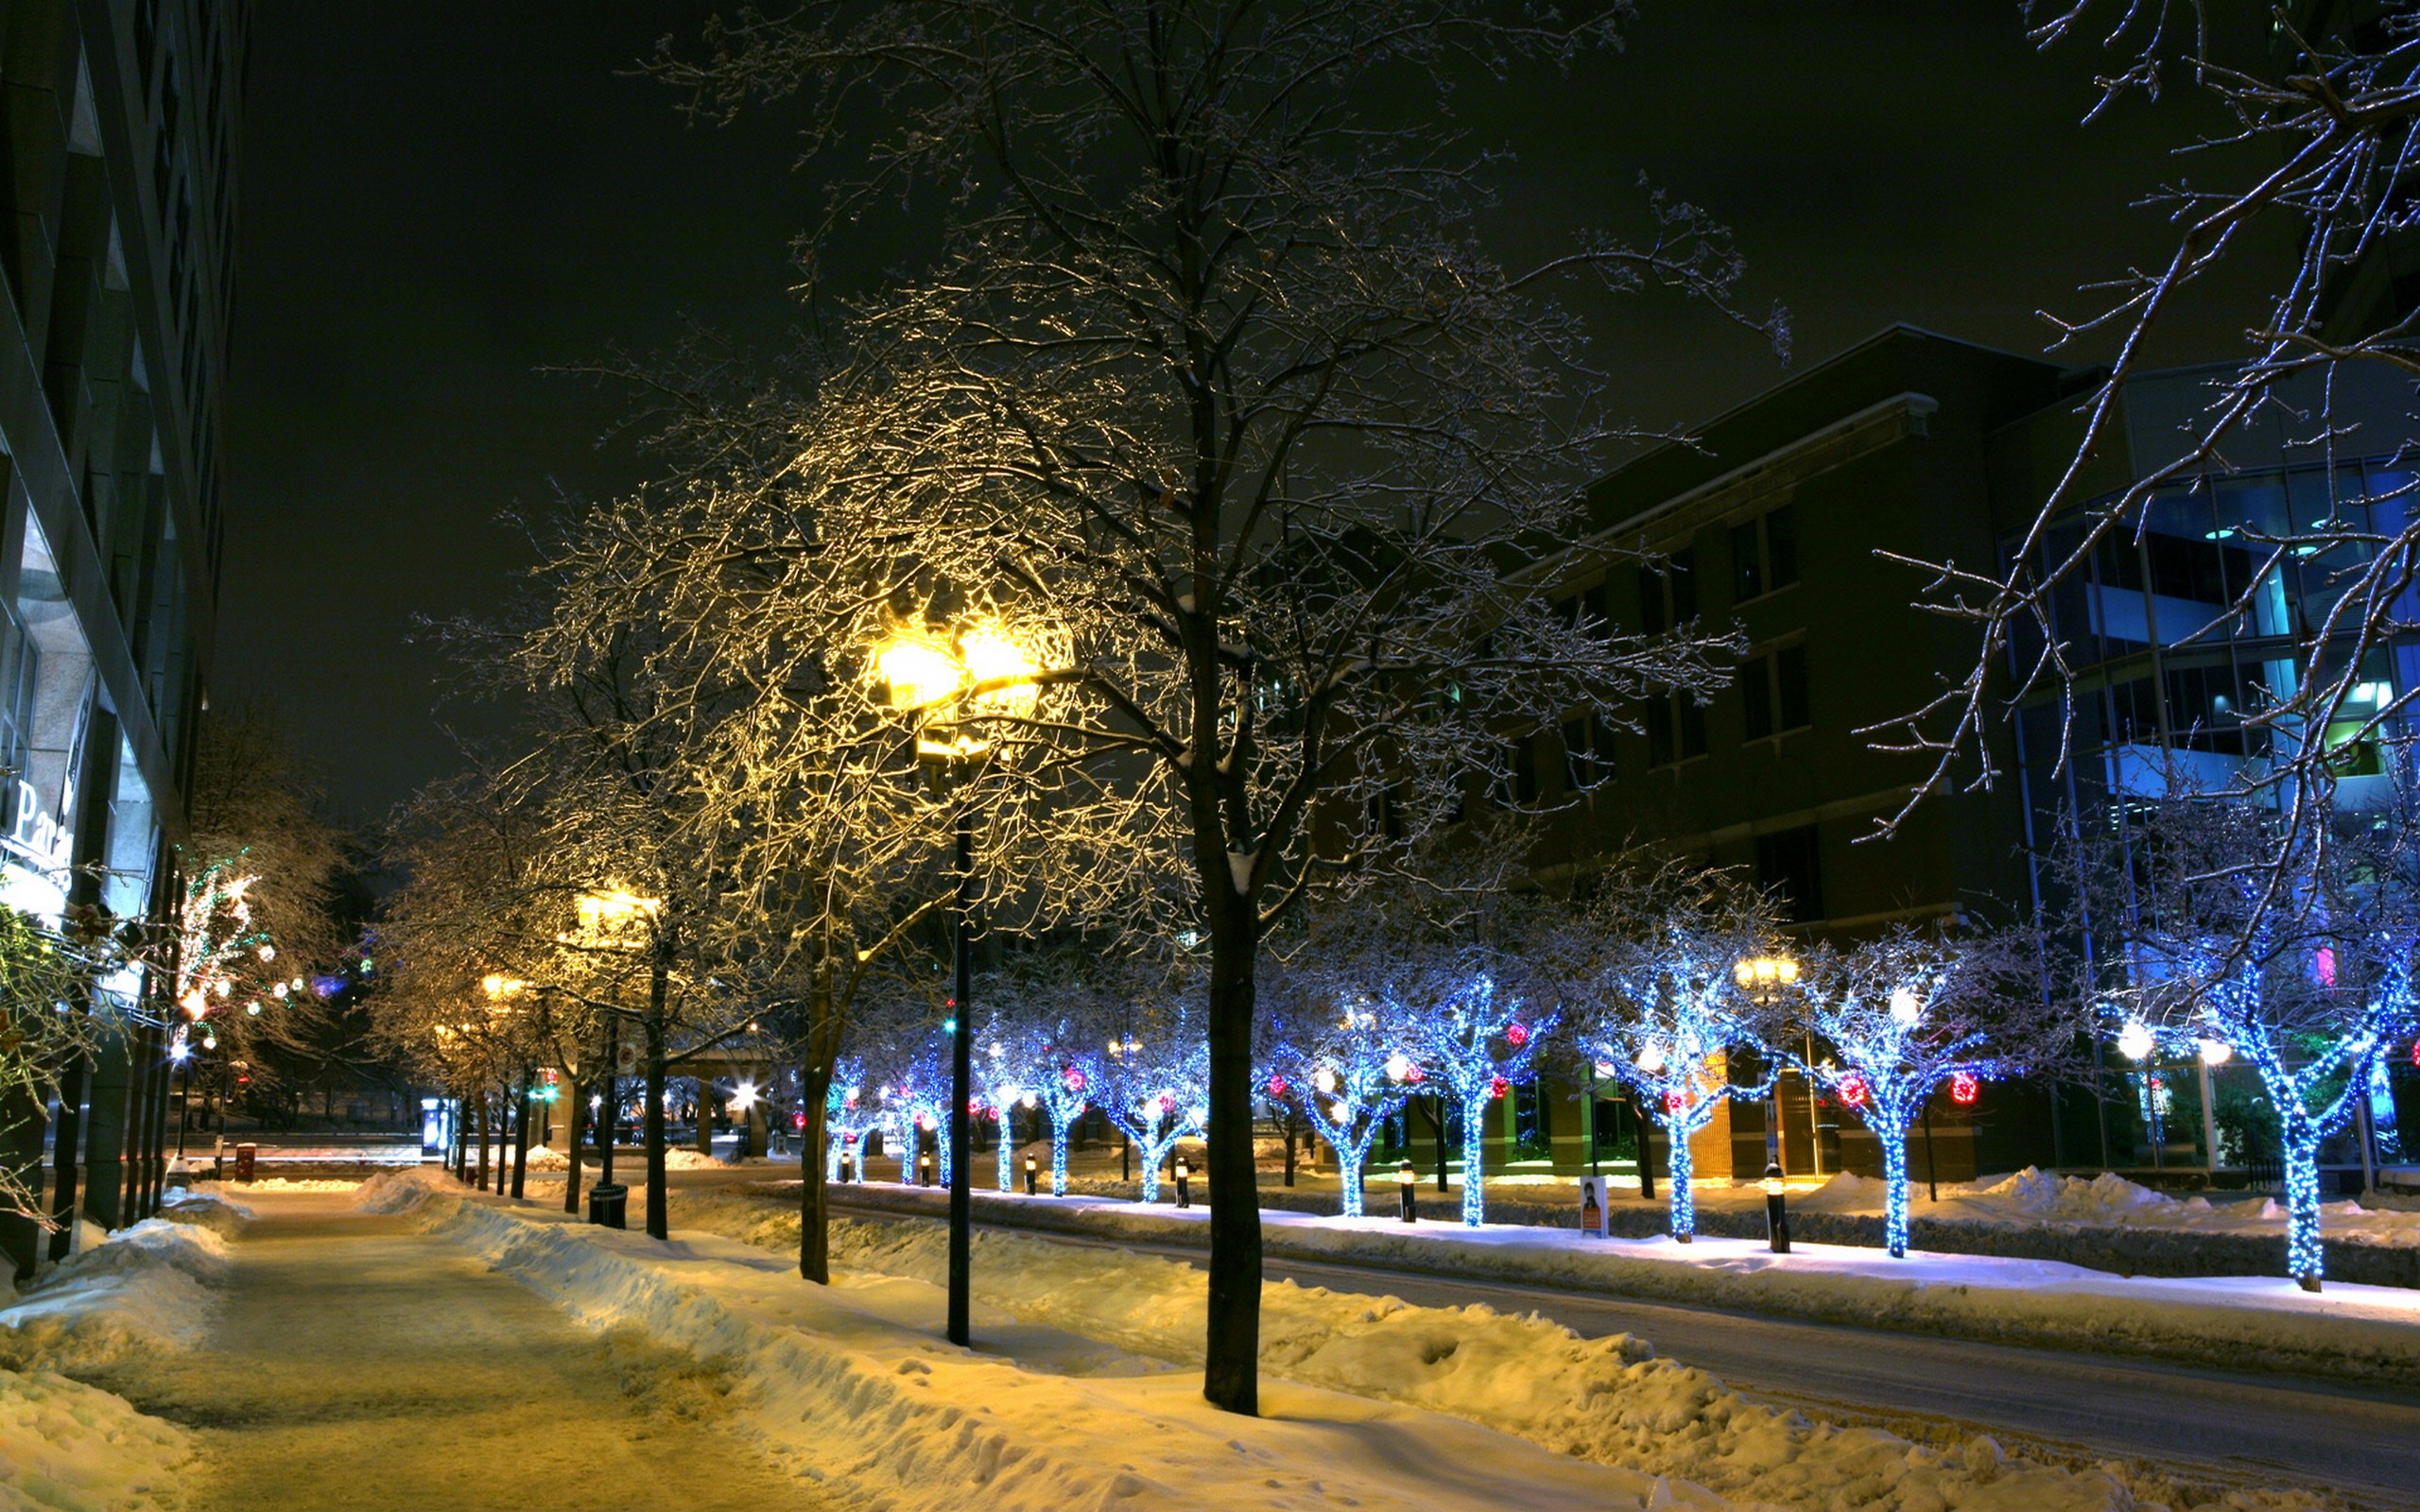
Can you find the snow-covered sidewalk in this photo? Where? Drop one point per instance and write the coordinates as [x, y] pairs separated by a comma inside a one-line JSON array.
[[1383, 1403], [2363, 1333]]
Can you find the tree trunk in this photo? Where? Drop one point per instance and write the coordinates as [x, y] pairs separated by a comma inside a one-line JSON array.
[[2306, 1256], [1685, 1209], [659, 1222], [520, 1135], [1436, 1111], [1231, 1362], [483, 1142], [814, 1204], [574, 1121], [1894, 1185], [1473, 1166], [1289, 1152]]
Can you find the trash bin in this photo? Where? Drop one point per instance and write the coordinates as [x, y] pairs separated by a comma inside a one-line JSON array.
[[245, 1157], [608, 1205]]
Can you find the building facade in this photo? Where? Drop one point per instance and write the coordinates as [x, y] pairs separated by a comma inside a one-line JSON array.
[[1799, 518], [121, 127]]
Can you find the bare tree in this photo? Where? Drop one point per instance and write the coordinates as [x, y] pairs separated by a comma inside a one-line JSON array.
[[1210, 394], [2315, 142]]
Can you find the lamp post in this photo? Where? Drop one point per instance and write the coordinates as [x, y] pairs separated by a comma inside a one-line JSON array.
[[945, 682], [1764, 979]]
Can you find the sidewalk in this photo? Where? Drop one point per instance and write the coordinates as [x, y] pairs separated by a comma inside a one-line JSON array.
[[356, 1365]]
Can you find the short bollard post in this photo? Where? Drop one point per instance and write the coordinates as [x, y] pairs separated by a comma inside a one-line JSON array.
[[1407, 1186], [1776, 1211], [1028, 1176], [1183, 1174], [847, 1166], [924, 1169]]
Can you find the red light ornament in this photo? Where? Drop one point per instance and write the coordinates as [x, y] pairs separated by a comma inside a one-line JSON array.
[[1853, 1091], [1674, 1102], [1497, 1087], [1963, 1087], [1276, 1086], [1516, 1034]]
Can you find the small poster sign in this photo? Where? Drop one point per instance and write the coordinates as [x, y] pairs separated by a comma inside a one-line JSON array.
[[1594, 1220]]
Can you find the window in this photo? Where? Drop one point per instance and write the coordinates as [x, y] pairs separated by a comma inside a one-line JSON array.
[[1764, 554], [1675, 729], [1668, 591], [1524, 758], [1587, 752], [1772, 688], [1788, 863], [1586, 607]]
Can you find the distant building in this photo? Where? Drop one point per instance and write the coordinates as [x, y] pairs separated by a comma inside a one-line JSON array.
[[120, 129], [1783, 517]]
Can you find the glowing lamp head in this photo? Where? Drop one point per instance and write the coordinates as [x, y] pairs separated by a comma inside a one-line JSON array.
[[1650, 1059], [2217, 1052], [1031, 1099], [914, 670], [1324, 1079], [743, 1096], [1905, 1010], [1012, 1095], [1773, 1182], [1398, 1066], [1184, 1168], [2135, 1041], [1406, 1176], [991, 655]]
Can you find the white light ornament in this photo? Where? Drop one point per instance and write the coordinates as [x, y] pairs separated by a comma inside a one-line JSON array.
[[1398, 1066], [2135, 1041], [1324, 1079], [1650, 1059], [2217, 1052], [1905, 1010]]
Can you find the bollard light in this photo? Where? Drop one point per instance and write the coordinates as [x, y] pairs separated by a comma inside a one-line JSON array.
[[924, 1169], [1776, 1211], [848, 1167], [1407, 1188], [1183, 1173], [1028, 1176]]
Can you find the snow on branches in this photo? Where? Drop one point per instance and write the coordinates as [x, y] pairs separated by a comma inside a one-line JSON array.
[[1908, 1014]]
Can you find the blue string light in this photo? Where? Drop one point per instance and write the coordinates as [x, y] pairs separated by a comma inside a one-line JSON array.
[[1481, 1049]]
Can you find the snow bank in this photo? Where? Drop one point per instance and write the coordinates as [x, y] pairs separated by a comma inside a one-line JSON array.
[[1607, 1400], [2369, 1333], [65, 1447], [851, 1384], [282, 1183], [141, 1289], [207, 1209]]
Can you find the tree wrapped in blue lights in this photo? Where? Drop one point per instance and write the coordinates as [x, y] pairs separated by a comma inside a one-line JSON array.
[[1343, 1059], [849, 1114], [1155, 1081], [1667, 1002], [1910, 1014], [1472, 1039], [2282, 937], [1012, 1060]]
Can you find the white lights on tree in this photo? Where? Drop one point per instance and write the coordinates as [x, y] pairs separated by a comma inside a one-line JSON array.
[[1650, 1059], [1905, 1010], [2217, 1052], [2135, 1041]]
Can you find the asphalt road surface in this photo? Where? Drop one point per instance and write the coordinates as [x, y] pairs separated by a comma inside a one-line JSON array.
[[2207, 1425]]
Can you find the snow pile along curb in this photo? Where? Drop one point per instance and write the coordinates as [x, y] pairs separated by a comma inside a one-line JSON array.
[[143, 1289], [2347, 1331], [900, 1421], [1604, 1399], [65, 1447]]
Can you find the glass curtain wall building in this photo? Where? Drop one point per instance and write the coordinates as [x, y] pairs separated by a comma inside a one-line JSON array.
[[120, 134], [2187, 641]]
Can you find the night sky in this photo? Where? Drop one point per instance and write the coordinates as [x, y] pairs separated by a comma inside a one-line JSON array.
[[441, 200]]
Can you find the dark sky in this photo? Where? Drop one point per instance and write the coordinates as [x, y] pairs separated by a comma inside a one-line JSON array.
[[441, 199]]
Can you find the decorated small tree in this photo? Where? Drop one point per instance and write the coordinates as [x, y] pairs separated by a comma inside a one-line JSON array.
[[1910, 1014], [1346, 1064], [1473, 1037], [1155, 1087], [849, 1114], [1669, 1002]]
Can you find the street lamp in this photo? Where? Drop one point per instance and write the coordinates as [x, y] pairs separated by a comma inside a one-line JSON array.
[[605, 920], [1764, 979], [950, 682]]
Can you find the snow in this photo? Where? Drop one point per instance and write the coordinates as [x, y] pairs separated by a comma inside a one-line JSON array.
[[135, 1295], [544, 1157], [849, 1382], [1609, 1400], [2346, 1331], [66, 1447], [143, 1289], [2034, 1195]]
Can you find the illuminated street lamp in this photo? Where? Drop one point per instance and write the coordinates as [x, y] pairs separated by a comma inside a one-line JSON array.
[[1764, 979], [950, 681], [606, 917]]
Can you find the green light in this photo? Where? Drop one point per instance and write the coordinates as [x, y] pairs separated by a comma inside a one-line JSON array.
[[368, 965], [949, 1025]]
